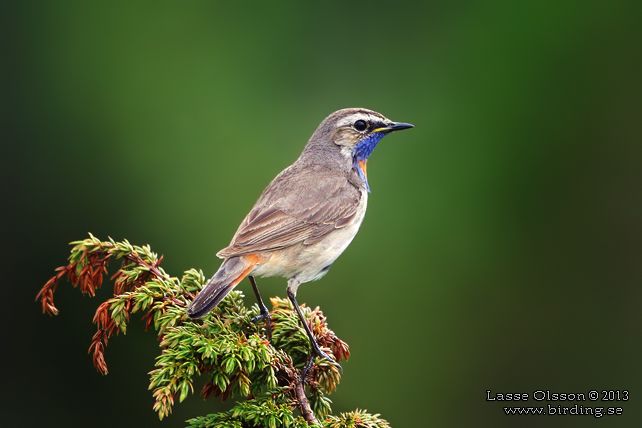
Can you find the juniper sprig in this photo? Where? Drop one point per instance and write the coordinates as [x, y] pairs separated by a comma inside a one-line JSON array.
[[225, 346]]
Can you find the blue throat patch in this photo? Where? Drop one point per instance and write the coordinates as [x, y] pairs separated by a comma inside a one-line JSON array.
[[362, 152]]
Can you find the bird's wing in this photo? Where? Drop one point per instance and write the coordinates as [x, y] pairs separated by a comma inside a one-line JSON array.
[[300, 205]]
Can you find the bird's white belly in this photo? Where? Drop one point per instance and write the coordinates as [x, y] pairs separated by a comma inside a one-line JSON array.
[[310, 262]]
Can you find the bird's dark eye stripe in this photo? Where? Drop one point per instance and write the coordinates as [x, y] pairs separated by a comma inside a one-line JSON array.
[[360, 125]]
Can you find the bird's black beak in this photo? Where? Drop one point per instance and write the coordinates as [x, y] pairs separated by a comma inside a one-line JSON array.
[[399, 126], [395, 126]]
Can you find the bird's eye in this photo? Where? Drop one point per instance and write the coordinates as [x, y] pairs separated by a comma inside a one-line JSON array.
[[360, 125]]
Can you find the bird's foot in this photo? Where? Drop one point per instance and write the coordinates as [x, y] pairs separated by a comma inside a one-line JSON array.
[[268, 323], [318, 353]]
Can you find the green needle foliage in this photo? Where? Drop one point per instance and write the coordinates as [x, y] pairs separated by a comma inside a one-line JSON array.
[[225, 346]]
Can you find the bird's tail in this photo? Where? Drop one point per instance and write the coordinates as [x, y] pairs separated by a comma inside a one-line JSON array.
[[231, 272]]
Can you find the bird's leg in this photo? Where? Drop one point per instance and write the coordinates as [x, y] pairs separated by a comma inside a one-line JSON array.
[[316, 351], [265, 314]]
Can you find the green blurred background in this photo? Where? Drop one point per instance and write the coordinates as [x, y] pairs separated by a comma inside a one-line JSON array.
[[501, 249]]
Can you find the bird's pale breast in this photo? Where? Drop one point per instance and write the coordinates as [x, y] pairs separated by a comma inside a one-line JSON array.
[[310, 262]]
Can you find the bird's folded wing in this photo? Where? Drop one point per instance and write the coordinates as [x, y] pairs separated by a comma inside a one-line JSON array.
[[297, 207]]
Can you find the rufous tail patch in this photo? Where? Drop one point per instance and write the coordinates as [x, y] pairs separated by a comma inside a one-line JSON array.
[[251, 260]]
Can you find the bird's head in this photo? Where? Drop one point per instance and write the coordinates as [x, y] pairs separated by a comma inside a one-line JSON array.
[[356, 131]]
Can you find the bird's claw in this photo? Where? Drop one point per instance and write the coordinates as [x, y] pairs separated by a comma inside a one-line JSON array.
[[268, 323], [318, 353]]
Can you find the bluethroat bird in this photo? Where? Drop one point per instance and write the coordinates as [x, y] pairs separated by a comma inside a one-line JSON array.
[[306, 217]]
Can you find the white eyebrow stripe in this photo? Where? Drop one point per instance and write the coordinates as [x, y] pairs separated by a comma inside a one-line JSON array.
[[349, 120]]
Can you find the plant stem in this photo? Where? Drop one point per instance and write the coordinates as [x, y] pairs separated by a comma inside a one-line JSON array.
[[304, 404]]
